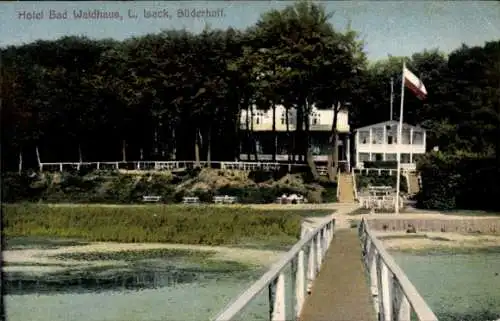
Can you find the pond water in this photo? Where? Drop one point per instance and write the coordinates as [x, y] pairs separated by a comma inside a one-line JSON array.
[[456, 287], [177, 288]]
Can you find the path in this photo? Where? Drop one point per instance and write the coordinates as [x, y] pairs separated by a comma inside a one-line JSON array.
[[341, 291]]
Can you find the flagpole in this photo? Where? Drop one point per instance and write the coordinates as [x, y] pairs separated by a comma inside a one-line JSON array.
[[392, 98], [400, 138]]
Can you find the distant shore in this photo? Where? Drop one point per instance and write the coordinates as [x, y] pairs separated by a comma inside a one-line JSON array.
[[443, 242], [53, 260]]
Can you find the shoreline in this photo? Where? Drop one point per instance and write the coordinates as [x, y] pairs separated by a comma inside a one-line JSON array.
[[438, 242], [46, 260]]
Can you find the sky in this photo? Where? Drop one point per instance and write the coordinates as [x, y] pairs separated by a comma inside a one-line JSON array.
[[397, 28]]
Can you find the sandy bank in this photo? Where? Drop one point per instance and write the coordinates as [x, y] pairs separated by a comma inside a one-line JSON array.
[[401, 241], [43, 260]]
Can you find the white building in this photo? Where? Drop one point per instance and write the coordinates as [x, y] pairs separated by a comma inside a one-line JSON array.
[[378, 142], [260, 123]]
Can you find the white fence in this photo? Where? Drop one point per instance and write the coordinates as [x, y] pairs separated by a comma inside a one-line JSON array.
[[163, 165], [395, 297], [317, 241]]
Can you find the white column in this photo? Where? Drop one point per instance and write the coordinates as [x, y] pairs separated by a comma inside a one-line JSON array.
[[299, 284], [356, 148], [311, 266], [348, 152], [411, 144], [277, 299]]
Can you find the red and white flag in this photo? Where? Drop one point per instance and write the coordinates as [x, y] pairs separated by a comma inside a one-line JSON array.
[[413, 83]]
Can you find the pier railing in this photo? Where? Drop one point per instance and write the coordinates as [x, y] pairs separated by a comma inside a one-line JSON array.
[[395, 297], [316, 242]]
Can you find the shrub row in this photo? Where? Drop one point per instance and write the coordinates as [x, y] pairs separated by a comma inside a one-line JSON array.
[[384, 179], [459, 181], [211, 225], [109, 187]]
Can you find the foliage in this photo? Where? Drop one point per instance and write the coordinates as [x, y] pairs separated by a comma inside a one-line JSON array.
[[211, 225], [123, 188], [178, 95], [381, 164], [384, 179], [464, 181], [172, 95]]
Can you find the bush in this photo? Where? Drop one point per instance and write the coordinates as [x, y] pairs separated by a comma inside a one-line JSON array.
[[119, 188], [212, 225], [384, 179], [381, 164], [329, 195], [459, 181], [25, 187]]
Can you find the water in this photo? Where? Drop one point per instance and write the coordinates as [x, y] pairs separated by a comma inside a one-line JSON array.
[[151, 290], [139, 295], [456, 287], [177, 288]]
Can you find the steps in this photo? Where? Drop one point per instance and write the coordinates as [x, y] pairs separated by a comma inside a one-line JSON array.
[[346, 186], [413, 183]]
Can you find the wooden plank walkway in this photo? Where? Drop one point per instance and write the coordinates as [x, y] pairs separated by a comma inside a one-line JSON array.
[[341, 291]]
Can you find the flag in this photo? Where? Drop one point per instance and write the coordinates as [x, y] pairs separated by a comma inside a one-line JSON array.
[[413, 83]]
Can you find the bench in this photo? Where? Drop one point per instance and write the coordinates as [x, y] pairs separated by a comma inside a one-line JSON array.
[[151, 198], [224, 199], [191, 200]]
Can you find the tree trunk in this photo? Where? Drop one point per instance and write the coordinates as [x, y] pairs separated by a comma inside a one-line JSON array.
[[299, 132], [247, 127], [124, 150], [275, 137], [173, 155], [80, 156], [289, 147], [333, 157], [38, 158], [309, 156], [197, 143], [20, 162], [254, 141], [209, 147]]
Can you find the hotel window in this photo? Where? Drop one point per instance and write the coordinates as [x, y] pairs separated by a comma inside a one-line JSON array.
[[405, 158], [406, 136], [364, 157], [315, 119], [364, 136], [418, 138], [377, 136], [390, 157], [283, 118]]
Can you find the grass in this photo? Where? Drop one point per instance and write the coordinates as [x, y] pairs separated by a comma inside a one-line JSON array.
[[470, 213], [209, 225], [413, 236], [131, 256], [23, 243], [445, 250]]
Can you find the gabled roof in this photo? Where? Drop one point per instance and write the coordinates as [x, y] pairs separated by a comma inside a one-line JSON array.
[[389, 123]]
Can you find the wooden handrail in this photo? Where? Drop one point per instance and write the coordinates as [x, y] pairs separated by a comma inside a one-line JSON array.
[[395, 297], [318, 242]]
